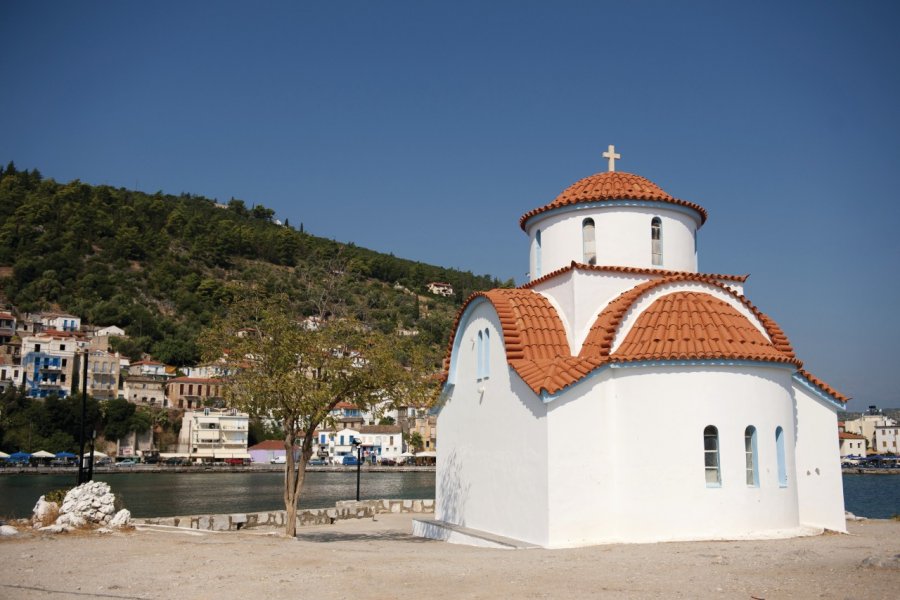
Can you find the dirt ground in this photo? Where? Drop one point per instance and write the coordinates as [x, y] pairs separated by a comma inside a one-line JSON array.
[[380, 559]]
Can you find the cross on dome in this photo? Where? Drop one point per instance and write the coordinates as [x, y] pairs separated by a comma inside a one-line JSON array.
[[612, 156]]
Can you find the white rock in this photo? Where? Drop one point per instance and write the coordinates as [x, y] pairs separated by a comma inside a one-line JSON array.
[[122, 518], [8, 530], [43, 509]]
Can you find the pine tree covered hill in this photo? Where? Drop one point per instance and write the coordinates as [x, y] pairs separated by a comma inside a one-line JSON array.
[[162, 266]]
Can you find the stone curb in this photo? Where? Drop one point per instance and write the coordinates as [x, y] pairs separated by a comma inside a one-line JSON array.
[[346, 509]]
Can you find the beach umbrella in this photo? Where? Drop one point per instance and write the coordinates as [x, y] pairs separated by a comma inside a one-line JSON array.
[[42, 454], [97, 454], [64, 455], [19, 457], [3, 454]]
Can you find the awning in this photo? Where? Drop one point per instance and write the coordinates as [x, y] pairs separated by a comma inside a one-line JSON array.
[[242, 455], [43, 454], [426, 455]]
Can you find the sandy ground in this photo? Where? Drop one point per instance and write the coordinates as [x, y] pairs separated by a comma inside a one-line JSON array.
[[380, 559]]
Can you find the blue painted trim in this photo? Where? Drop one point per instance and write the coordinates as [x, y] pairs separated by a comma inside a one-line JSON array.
[[581, 206], [779, 451], [803, 381], [547, 397], [463, 321]]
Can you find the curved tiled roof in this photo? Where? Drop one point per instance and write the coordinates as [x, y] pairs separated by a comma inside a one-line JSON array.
[[632, 270], [691, 325], [612, 185], [599, 339]]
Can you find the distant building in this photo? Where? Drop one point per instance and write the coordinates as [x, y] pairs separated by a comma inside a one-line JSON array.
[[112, 330], [7, 327], [886, 437], [211, 435], [268, 450], [49, 360], [195, 392], [147, 390], [103, 375], [440, 289], [867, 424], [61, 322], [851, 444]]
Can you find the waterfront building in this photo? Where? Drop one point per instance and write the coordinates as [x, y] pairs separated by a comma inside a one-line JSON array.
[[269, 450], [866, 425], [886, 437], [621, 395], [211, 434], [852, 444], [378, 442]]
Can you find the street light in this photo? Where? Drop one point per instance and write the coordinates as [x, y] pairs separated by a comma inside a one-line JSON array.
[[358, 444]]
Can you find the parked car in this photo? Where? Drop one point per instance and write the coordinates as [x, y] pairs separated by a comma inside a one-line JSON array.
[[128, 462], [349, 460], [388, 462], [102, 462], [236, 461], [317, 462], [279, 460]]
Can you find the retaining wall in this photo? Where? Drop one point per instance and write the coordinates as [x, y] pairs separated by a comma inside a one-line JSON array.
[[349, 509]]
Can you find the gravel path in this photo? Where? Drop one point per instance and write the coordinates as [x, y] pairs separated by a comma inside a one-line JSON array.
[[379, 559]]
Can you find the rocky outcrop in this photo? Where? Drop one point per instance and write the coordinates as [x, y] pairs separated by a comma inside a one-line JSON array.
[[91, 504]]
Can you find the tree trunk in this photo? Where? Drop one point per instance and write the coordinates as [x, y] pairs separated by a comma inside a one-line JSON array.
[[294, 475]]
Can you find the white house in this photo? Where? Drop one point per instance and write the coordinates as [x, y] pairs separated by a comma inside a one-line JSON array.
[[112, 330], [61, 322], [886, 437], [210, 435], [615, 343], [852, 444]]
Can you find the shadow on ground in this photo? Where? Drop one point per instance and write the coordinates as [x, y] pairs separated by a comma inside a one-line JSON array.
[[318, 537]]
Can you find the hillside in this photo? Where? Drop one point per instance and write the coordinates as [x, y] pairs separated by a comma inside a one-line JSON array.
[[161, 266]]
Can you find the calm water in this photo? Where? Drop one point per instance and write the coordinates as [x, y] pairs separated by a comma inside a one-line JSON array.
[[177, 494]]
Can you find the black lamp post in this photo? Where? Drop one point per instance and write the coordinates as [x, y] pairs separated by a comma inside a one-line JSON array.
[[358, 443], [82, 474]]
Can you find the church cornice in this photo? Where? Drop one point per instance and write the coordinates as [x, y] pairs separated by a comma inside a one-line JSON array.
[[577, 266]]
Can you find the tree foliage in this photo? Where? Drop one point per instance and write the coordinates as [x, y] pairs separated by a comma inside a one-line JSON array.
[[286, 370]]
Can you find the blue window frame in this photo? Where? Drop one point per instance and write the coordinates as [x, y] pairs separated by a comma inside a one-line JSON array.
[[779, 451]]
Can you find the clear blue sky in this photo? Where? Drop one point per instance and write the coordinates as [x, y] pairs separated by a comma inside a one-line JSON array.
[[427, 128]]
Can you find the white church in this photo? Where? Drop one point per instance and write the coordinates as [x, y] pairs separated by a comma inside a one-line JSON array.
[[622, 396]]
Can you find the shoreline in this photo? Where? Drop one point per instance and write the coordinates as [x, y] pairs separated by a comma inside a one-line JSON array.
[[258, 468]]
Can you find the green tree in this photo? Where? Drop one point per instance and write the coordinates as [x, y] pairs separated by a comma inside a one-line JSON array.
[[414, 440], [296, 375]]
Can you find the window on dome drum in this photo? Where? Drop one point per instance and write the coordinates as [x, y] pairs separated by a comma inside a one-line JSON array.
[[779, 451], [656, 241], [479, 355], [711, 456], [588, 242], [537, 254], [751, 456]]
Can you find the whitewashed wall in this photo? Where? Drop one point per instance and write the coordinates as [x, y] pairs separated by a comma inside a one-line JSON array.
[[638, 474], [622, 237], [492, 459], [819, 477]]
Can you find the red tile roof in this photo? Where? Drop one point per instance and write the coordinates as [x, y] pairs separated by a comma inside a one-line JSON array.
[[843, 435], [695, 326], [681, 325], [194, 380], [613, 185], [812, 379], [268, 445]]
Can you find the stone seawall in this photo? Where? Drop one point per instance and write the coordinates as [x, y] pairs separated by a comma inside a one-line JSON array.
[[348, 509]]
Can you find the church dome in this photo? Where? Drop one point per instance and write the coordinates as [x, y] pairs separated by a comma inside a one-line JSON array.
[[612, 185]]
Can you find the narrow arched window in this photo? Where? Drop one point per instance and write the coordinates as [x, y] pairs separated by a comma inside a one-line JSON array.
[[588, 242], [711, 456], [750, 454], [479, 356], [537, 254], [779, 451], [656, 240], [486, 369]]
